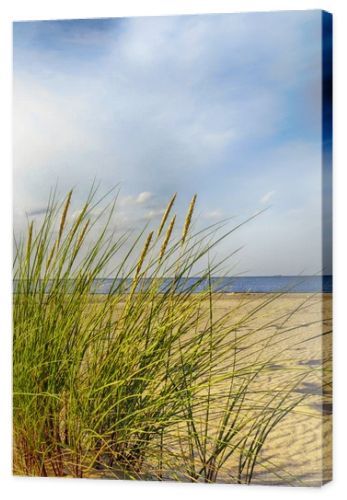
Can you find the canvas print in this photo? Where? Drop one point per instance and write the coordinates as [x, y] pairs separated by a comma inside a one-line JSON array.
[[172, 255]]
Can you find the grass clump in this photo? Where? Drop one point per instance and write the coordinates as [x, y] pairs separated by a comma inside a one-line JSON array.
[[145, 381]]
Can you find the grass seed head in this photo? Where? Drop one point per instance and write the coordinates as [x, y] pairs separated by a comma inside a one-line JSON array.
[[30, 238], [82, 235], [50, 257], [188, 220], [143, 254], [167, 238], [166, 214], [63, 217]]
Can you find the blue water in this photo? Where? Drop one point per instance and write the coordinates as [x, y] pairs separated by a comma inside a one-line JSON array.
[[250, 284], [246, 284]]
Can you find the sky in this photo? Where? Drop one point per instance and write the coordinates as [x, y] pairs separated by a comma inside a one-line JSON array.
[[225, 106]]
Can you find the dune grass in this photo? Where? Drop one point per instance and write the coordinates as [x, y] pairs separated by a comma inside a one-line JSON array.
[[143, 383]]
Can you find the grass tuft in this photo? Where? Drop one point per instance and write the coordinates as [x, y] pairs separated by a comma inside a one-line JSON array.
[[148, 385]]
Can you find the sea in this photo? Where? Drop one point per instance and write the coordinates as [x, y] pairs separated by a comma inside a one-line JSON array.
[[236, 284], [229, 284]]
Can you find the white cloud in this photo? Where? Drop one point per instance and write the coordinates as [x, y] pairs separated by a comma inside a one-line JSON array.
[[193, 104], [149, 104], [153, 214], [144, 197], [267, 197], [213, 214]]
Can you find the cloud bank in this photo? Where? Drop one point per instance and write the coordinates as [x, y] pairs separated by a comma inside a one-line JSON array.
[[228, 106]]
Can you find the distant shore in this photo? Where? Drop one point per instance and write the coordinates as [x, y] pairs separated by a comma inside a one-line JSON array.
[[227, 285]]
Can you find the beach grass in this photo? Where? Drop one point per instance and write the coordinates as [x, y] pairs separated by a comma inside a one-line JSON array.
[[142, 383]]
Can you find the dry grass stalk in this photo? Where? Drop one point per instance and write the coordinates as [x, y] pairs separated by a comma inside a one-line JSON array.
[[63, 217], [82, 235], [166, 214], [81, 214], [167, 238], [30, 238], [143, 255], [50, 257], [139, 267], [188, 219]]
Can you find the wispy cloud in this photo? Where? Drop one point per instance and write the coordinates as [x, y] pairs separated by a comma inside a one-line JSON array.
[[224, 105], [154, 214], [144, 197], [213, 214], [138, 199], [37, 211], [267, 197]]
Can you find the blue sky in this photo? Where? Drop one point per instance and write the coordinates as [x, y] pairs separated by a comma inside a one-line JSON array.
[[228, 106]]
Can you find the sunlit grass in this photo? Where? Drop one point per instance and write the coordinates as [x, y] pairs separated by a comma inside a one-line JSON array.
[[143, 383]]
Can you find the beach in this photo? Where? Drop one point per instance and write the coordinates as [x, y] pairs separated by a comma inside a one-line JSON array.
[[291, 333], [299, 449], [272, 370], [172, 248]]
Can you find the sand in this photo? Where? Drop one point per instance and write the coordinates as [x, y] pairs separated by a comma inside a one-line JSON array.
[[299, 450], [296, 329], [293, 334]]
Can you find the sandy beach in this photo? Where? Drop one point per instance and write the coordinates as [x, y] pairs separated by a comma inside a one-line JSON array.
[[290, 336], [172, 248], [295, 331], [299, 449]]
